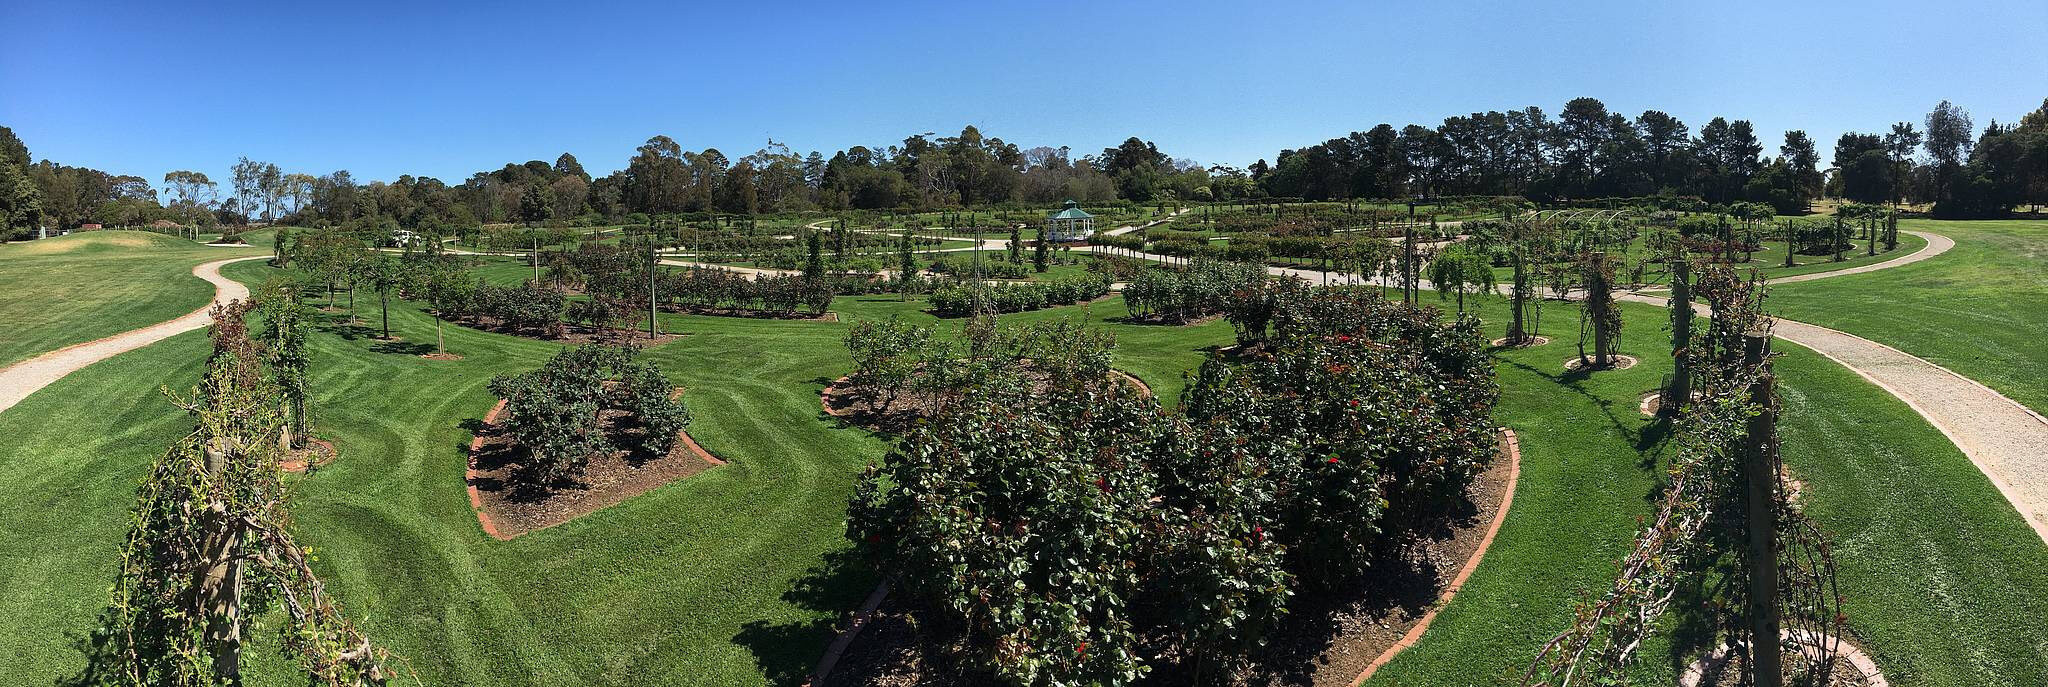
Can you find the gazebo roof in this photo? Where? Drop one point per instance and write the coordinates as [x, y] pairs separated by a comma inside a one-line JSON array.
[[1072, 211]]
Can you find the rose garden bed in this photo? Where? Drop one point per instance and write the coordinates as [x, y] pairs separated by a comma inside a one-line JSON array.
[[1334, 640], [507, 507]]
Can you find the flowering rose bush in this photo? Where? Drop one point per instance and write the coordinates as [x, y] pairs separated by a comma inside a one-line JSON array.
[[1078, 534]]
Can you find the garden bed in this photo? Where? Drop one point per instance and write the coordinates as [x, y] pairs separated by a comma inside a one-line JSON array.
[[317, 454], [507, 509], [1332, 641], [827, 316], [841, 399], [572, 334]]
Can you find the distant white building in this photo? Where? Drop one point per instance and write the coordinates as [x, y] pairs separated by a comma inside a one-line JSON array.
[[1069, 224]]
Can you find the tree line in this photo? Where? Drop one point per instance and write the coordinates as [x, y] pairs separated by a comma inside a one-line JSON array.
[[1585, 151]]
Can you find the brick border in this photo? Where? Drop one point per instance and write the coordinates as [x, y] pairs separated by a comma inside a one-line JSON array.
[[1471, 563], [476, 443]]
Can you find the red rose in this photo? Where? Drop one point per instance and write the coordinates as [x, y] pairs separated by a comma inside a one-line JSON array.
[[874, 539], [1333, 460], [1082, 649]]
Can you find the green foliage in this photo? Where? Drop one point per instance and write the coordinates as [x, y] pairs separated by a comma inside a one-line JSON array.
[[555, 412], [1069, 525], [966, 298], [209, 552], [1200, 290]]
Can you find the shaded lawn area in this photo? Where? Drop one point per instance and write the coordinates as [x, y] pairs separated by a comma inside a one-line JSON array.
[[1980, 309], [72, 289]]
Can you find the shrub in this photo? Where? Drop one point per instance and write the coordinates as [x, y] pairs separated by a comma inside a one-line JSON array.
[[555, 412], [1183, 295], [1065, 525], [957, 300]]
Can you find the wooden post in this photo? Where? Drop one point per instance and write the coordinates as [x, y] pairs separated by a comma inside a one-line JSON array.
[[1680, 390], [1760, 465]]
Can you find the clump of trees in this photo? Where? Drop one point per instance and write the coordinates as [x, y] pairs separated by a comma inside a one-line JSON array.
[[1076, 534], [557, 413]]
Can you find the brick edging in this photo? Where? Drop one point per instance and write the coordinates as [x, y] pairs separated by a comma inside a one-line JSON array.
[[1471, 563]]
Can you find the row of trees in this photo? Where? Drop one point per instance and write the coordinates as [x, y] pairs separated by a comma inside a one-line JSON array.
[[1073, 533], [1588, 152], [210, 556]]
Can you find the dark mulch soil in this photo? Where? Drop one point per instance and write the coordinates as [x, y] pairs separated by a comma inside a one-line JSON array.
[[827, 316], [1327, 639], [841, 399], [1800, 671], [572, 334], [608, 479], [1620, 362], [317, 454]]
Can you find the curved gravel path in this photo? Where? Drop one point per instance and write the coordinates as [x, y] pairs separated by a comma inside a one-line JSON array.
[[2007, 441], [19, 380]]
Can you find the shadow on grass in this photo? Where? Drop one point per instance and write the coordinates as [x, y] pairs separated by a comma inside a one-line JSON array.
[[401, 347], [787, 651]]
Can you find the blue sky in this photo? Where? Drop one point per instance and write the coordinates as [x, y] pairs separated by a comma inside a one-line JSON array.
[[447, 89]]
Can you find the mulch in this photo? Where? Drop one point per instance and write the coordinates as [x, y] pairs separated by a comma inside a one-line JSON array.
[[572, 334], [318, 453], [506, 508], [827, 316], [1323, 641], [1620, 362], [841, 399]]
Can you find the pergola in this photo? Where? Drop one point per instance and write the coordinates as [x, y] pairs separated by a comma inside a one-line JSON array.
[[1069, 224]]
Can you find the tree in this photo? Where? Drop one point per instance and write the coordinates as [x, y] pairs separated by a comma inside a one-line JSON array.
[[534, 205], [1041, 254], [906, 262], [286, 328], [1900, 144], [1016, 245], [1948, 142], [1799, 155], [384, 274]]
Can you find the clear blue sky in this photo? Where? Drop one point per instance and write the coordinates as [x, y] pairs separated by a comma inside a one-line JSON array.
[[447, 89]]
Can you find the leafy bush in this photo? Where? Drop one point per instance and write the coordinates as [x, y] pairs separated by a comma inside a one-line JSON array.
[[1079, 535], [957, 300], [555, 412], [1183, 295]]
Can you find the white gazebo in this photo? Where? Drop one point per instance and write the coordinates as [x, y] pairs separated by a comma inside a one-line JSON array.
[[1069, 224]]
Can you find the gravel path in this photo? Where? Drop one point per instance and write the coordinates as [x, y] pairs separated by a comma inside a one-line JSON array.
[[2007, 441], [19, 380]]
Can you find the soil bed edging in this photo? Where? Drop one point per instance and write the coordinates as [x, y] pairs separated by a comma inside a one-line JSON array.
[[1621, 362], [491, 505], [318, 453]]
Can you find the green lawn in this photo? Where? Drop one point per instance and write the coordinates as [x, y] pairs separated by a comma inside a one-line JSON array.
[[90, 285], [1981, 309], [1944, 582], [726, 578], [733, 577]]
